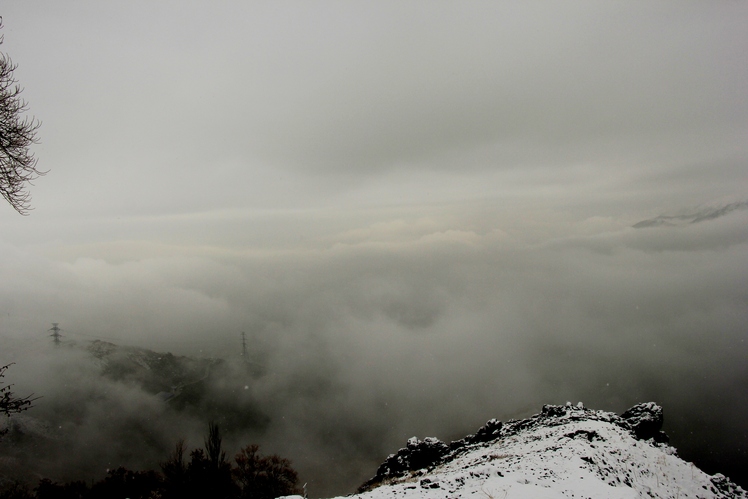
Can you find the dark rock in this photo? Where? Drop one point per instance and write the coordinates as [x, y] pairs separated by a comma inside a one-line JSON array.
[[589, 435], [725, 487], [426, 483], [458, 444], [645, 420], [661, 438], [416, 455], [486, 433], [425, 453], [553, 411]]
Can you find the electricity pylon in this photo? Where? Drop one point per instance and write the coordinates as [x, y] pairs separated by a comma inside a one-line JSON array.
[[55, 333]]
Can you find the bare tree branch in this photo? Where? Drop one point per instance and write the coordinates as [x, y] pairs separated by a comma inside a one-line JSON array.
[[17, 134], [9, 403]]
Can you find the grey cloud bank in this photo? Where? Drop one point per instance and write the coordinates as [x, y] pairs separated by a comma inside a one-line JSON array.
[[206, 107], [422, 214], [411, 330]]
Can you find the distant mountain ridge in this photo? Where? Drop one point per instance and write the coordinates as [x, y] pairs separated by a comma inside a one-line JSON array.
[[155, 372], [694, 217], [210, 388], [564, 451]]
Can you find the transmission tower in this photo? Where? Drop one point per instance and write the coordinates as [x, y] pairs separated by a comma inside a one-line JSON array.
[[55, 333], [244, 346]]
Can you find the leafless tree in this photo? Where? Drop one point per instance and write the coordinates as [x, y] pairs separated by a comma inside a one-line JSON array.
[[17, 133], [9, 403]]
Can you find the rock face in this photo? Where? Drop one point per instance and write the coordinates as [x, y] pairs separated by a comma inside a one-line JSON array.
[[416, 455], [563, 451], [646, 421]]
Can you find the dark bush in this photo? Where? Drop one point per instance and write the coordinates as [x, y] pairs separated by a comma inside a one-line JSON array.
[[174, 471], [264, 477], [15, 490], [122, 483], [47, 489], [207, 474]]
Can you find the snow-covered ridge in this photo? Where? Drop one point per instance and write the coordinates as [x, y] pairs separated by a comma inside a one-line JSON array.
[[562, 452]]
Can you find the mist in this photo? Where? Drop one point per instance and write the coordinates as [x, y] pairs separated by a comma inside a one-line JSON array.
[[422, 217], [366, 343]]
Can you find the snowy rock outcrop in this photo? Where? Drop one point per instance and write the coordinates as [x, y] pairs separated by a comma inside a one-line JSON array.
[[645, 420], [562, 452]]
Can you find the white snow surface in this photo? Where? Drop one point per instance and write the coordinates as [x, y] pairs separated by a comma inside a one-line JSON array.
[[580, 454]]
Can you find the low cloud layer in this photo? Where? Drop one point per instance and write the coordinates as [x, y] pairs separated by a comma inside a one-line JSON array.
[[429, 332]]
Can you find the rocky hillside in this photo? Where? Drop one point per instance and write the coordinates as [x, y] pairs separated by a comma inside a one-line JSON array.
[[562, 452], [153, 371], [210, 389]]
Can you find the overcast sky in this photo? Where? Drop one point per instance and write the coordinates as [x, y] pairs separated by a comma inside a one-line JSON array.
[[429, 203]]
